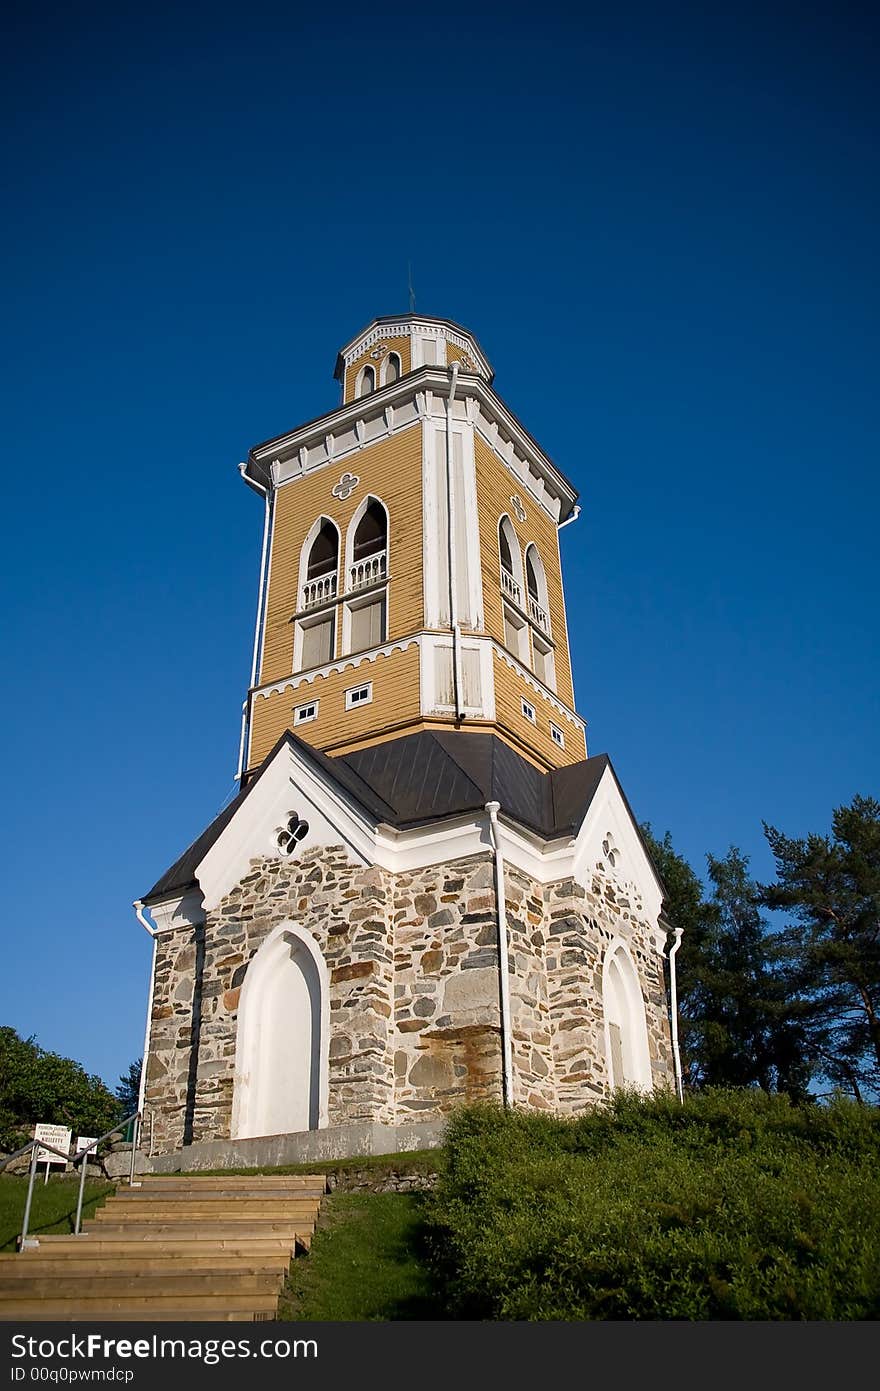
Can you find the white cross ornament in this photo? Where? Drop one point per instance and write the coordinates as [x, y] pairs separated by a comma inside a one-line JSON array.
[[518, 508]]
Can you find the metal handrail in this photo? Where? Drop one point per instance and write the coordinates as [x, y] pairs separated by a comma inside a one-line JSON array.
[[73, 1158]]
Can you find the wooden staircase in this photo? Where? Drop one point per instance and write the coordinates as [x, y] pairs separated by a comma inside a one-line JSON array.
[[174, 1248]]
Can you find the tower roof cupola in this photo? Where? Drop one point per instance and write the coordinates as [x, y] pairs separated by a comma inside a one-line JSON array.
[[390, 347]]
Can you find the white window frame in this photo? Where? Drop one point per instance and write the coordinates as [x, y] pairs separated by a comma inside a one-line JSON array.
[[351, 703], [299, 715], [522, 651], [557, 735], [376, 595], [383, 370], [541, 643], [309, 620], [528, 710]]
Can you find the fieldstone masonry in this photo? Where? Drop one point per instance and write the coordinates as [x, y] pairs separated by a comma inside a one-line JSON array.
[[414, 995]]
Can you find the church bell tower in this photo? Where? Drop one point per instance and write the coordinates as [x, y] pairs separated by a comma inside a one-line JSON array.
[[411, 576], [425, 891]]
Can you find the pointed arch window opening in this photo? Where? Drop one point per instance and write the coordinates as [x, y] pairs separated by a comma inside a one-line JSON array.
[[536, 585], [626, 1034], [510, 562], [322, 567], [391, 369], [367, 382], [369, 554]]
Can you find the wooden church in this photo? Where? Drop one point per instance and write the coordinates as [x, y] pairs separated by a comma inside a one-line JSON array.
[[425, 892]]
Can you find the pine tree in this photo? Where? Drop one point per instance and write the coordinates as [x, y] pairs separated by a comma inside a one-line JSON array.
[[830, 886]]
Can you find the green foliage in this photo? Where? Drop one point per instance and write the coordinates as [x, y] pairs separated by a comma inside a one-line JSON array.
[[740, 1023], [36, 1086], [830, 885], [128, 1092], [737, 1205]]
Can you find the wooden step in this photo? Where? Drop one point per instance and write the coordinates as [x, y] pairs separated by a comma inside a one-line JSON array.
[[154, 1182], [156, 1284], [140, 1196], [91, 1245], [199, 1209], [98, 1314], [159, 1307], [229, 1230], [135, 1262]]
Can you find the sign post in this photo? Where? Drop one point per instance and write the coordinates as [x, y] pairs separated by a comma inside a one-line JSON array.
[[56, 1135]]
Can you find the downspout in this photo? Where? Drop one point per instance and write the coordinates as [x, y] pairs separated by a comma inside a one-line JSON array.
[[673, 1012], [258, 624], [573, 518], [493, 809], [142, 1088], [450, 531]]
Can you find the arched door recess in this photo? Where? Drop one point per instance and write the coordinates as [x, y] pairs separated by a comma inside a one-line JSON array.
[[281, 1054]]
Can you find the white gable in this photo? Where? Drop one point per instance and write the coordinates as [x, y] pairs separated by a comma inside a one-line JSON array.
[[287, 787]]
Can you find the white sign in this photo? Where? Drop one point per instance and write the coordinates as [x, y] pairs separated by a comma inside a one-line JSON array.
[[83, 1142], [56, 1135]]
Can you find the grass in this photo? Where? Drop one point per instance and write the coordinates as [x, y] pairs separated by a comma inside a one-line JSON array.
[[53, 1209], [366, 1263]]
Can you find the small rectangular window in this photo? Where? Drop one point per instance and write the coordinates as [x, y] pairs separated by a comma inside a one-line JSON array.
[[303, 713], [529, 712], [557, 735], [358, 695]]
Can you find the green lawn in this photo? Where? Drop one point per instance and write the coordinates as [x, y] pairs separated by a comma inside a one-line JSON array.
[[365, 1263], [53, 1208]]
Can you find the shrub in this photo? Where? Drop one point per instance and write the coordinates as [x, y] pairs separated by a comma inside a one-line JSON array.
[[737, 1205]]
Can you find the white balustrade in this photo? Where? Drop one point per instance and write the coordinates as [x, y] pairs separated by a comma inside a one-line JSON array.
[[319, 591], [537, 615], [368, 571], [510, 586]]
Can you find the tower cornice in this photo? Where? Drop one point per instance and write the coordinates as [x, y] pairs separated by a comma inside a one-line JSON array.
[[322, 442], [391, 325]]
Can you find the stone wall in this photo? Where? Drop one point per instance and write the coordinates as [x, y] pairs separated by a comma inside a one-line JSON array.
[[414, 996]]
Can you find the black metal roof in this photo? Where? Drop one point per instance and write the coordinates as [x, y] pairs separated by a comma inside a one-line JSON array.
[[427, 777]]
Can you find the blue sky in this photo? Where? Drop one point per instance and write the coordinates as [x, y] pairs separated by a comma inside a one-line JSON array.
[[661, 224]]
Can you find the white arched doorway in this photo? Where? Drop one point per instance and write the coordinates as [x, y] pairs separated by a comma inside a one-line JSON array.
[[626, 1031], [281, 1051]]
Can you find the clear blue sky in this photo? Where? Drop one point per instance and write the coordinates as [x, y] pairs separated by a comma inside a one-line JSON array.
[[662, 225]]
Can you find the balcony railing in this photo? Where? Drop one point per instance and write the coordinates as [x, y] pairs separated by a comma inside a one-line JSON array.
[[509, 586], [321, 590], [370, 570], [538, 616]]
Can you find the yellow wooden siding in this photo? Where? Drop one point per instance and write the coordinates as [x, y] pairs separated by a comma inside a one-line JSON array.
[[391, 469], [395, 680], [510, 691], [401, 346], [495, 486]]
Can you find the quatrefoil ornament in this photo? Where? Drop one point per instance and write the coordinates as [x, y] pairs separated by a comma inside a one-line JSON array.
[[518, 508], [346, 486], [288, 836], [379, 351]]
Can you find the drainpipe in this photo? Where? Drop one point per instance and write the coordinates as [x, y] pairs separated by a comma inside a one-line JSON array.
[[258, 625], [141, 917], [450, 517], [573, 518], [493, 809], [673, 1012]]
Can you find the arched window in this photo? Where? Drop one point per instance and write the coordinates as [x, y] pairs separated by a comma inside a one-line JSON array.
[[367, 382], [364, 623], [511, 561], [372, 531], [536, 584], [324, 553], [626, 1033], [391, 371]]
